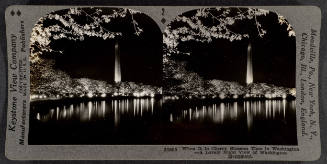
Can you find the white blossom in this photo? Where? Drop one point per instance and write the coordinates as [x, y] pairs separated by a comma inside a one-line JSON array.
[[68, 28], [195, 29]]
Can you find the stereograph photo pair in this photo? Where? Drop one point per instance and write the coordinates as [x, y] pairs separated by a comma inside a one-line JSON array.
[[163, 82]]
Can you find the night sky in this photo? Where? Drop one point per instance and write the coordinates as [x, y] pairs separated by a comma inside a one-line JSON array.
[[141, 56], [274, 55]]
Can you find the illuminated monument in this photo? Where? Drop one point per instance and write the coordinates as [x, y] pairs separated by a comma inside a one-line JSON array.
[[117, 68], [249, 67]]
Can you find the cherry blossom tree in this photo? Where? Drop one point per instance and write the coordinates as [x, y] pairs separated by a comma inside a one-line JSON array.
[[203, 26], [67, 25], [207, 24], [75, 24]]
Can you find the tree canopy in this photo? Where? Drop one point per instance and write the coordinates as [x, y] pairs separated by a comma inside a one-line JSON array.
[[76, 24], [206, 24]]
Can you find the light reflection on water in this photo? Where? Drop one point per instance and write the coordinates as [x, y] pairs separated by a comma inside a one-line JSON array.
[[95, 110], [216, 113], [220, 112]]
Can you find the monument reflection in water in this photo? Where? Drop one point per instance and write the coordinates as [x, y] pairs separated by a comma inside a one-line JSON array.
[[160, 121]]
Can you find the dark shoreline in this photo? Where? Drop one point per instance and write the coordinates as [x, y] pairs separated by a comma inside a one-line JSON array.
[[51, 103], [81, 99]]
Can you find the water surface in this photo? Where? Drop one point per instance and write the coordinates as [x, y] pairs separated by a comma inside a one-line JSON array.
[[159, 121]]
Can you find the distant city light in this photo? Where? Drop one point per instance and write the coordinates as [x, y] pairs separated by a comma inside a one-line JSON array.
[[235, 96], [268, 96], [90, 95], [33, 97], [284, 96], [222, 96], [136, 94], [142, 94], [166, 97]]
